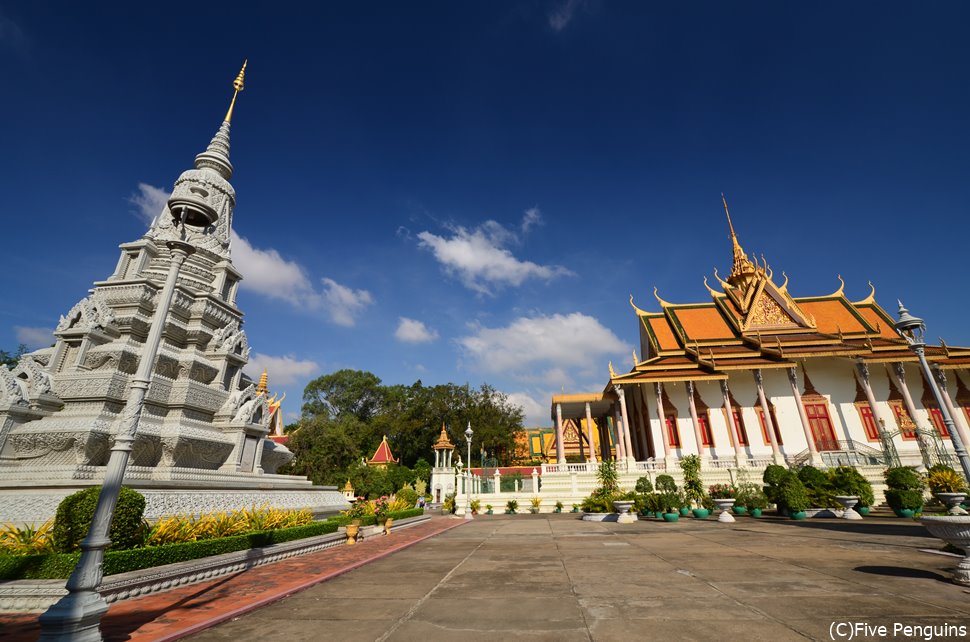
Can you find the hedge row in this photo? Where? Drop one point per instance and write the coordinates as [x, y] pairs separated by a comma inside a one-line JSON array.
[[54, 566]]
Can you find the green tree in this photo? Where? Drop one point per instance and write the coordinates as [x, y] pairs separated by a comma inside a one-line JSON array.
[[323, 448], [345, 392], [10, 359]]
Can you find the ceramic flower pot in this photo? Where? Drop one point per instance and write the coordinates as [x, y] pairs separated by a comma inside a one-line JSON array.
[[954, 530], [387, 525], [740, 510], [754, 512], [658, 514], [352, 531], [701, 513], [952, 502], [847, 502], [797, 515], [622, 506], [863, 510], [906, 513], [724, 506], [684, 511], [671, 517]]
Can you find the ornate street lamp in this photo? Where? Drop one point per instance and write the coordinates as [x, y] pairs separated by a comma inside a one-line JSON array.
[[468, 480], [913, 329], [77, 615]]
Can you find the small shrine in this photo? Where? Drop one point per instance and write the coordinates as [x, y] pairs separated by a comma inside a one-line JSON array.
[[382, 456]]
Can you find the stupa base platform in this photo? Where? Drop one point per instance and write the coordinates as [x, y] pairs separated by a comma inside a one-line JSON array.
[[34, 497]]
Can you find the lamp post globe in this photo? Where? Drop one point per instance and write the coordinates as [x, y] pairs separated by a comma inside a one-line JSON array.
[[913, 330], [468, 480]]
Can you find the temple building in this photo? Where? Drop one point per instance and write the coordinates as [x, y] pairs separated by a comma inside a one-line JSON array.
[[754, 375], [382, 456]]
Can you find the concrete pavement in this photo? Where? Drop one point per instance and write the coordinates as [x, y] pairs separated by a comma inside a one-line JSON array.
[[554, 577]]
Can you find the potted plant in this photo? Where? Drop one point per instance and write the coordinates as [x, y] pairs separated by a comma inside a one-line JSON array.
[[380, 513], [356, 511], [575, 508], [794, 495], [948, 487], [851, 489], [670, 503], [756, 502], [772, 478], [511, 506], [558, 507], [448, 506], [724, 496], [955, 531], [536, 502], [475, 505], [905, 490], [600, 502], [818, 487], [693, 487], [488, 509]]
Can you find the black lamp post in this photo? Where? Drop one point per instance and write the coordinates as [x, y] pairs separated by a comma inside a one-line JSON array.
[[913, 329]]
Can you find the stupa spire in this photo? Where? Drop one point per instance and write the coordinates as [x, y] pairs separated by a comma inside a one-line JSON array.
[[742, 266], [263, 387], [216, 155]]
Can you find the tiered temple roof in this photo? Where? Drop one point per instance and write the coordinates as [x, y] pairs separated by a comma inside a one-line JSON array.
[[752, 322], [382, 456]]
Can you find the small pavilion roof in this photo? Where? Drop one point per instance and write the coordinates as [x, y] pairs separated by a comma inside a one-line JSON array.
[[443, 442], [383, 454]]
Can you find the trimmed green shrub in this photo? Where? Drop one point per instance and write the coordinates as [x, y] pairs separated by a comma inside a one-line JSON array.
[[817, 485], [774, 474], [792, 493], [75, 512], [666, 484], [409, 495], [906, 498], [903, 478], [644, 485], [846, 480]]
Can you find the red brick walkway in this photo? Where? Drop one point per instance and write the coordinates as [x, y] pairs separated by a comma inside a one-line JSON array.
[[172, 614]]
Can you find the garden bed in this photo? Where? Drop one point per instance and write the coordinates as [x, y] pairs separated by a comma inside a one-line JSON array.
[[141, 571]]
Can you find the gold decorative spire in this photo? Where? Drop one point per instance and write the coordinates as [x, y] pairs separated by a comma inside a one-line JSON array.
[[238, 84], [742, 266], [263, 386]]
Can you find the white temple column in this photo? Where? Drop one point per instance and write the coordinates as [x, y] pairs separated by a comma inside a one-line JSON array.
[[862, 374], [560, 450], [776, 455], [803, 416], [658, 389], [739, 460], [628, 445], [589, 431], [899, 371], [697, 424], [958, 419]]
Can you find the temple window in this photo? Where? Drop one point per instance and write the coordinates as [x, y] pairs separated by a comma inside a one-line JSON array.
[[937, 418], [868, 421], [673, 434], [739, 428], [764, 426], [707, 438], [821, 424]]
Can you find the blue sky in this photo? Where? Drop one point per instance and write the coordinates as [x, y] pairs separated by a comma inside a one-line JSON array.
[[471, 191]]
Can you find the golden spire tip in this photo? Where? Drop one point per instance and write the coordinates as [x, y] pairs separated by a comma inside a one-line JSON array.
[[238, 85]]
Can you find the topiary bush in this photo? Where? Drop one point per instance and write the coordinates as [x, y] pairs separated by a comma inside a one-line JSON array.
[[773, 476], [644, 485], [820, 493], [793, 494], [75, 512], [846, 480], [666, 484], [903, 478], [408, 495], [899, 499]]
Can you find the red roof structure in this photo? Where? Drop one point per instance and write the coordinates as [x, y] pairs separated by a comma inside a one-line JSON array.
[[382, 457]]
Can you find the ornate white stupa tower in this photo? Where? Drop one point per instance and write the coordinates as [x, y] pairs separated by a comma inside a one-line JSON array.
[[203, 426]]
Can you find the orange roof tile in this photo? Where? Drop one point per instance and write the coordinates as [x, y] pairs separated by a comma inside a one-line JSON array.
[[383, 454], [701, 322], [876, 320], [661, 330], [831, 315]]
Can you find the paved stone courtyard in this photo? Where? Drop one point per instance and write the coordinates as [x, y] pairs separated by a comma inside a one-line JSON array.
[[554, 577]]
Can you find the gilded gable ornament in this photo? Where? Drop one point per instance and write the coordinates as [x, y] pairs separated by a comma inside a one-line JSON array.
[[767, 313]]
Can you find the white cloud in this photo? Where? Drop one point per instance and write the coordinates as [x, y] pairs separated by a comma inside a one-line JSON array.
[[34, 337], [414, 331], [562, 15], [150, 201], [535, 413], [267, 273], [544, 348], [480, 259], [344, 304], [282, 371]]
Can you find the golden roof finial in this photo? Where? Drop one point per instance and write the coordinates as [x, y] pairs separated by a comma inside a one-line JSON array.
[[841, 290], [612, 371], [742, 265], [663, 304], [238, 84], [636, 361], [869, 299], [263, 386]]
